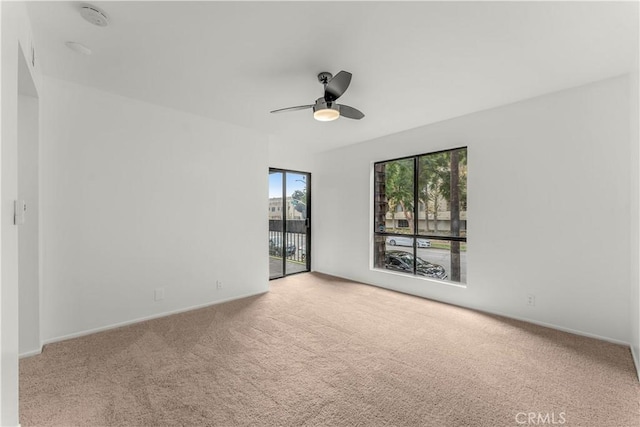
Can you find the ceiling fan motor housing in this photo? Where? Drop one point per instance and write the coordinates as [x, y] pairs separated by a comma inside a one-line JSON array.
[[322, 104]]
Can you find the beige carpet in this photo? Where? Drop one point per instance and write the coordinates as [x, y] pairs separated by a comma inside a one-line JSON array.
[[319, 351]]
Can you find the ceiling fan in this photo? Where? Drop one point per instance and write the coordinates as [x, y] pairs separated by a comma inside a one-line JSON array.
[[325, 108]]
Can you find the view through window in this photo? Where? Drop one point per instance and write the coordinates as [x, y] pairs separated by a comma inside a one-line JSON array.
[[420, 215]]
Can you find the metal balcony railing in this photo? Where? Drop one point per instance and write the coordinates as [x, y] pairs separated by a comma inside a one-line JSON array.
[[294, 245]]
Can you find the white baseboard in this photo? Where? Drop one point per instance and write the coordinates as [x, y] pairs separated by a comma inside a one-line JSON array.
[[558, 328], [30, 353], [143, 319]]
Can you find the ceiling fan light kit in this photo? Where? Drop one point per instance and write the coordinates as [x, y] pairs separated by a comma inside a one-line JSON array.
[[325, 109], [326, 115]]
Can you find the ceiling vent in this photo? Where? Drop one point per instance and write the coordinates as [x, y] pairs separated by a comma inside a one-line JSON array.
[[94, 15]]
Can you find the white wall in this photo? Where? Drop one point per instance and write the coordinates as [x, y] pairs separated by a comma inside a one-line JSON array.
[[15, 34], [137, 197], [548, 208], [287, 157]]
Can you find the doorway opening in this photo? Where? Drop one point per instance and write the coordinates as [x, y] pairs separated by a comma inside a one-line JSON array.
[[289, 222]]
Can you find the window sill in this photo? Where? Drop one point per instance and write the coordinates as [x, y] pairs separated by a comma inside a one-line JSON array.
[[421, 278]]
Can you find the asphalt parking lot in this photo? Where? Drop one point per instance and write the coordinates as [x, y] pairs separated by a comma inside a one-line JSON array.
[[437, 256]]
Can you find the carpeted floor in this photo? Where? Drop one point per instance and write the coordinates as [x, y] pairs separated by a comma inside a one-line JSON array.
[[320, 351]]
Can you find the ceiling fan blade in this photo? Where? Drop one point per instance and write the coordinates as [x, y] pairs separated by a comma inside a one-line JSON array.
[[337, 86], [350, 112], [300, 107]]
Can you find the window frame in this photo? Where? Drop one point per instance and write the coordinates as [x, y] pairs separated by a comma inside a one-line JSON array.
[[416, 234]]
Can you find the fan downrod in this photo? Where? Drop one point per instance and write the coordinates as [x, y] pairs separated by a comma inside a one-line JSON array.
[[324, 77]]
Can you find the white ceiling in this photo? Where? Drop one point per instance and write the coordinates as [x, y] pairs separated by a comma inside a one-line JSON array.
[[413, 63]]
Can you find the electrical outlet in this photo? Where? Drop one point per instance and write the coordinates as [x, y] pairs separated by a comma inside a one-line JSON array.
[[159, 294], [531, 300], [218, 284]]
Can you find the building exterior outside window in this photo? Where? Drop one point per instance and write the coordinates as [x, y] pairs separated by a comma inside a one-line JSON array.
[[275, 211]]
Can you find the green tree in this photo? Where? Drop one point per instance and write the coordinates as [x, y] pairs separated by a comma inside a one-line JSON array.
[[299, 201], [447, 172], [399, 188], [443, 176], [435, 182], [432, 171]]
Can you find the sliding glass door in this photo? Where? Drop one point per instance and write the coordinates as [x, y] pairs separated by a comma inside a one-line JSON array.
[[289, 222]]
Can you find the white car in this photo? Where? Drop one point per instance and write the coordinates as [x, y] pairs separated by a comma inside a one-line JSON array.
[[407, 241]]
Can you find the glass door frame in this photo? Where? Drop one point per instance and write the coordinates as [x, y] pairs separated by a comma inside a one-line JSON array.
[[283, 209]]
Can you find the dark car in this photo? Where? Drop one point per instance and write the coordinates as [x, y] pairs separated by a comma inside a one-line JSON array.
[[403, 261], [275, 248]]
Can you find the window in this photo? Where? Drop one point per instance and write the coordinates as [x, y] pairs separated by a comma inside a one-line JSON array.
[[420, 215], [403, 223]]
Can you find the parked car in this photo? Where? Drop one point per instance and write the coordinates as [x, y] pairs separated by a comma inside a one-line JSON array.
[[275, 247], [403, 261], [407, 241]]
